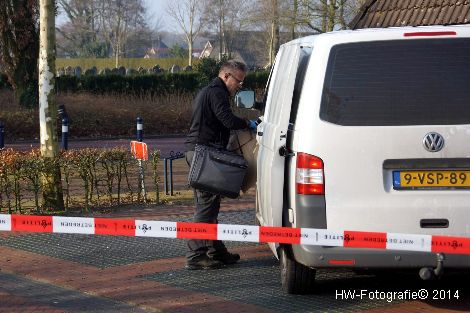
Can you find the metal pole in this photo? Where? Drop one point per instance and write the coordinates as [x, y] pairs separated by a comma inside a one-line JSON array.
[[142, 181], [165, 177], [171, 176], [65, 133], [2, 135], [140, 129]]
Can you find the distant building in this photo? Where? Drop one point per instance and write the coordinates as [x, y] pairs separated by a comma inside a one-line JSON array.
[[245, 46], [207, 50], [392, 13], [249, 47], [160, 50]]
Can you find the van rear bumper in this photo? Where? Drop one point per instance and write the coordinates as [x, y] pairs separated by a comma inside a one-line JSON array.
[[327, 257]]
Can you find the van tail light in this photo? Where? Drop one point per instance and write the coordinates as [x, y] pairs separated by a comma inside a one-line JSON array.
[[309, 176]]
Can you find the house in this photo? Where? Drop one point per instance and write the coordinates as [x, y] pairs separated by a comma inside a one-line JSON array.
[[207, 50], [212, 50], [159, 50], [246, 46], [392, 13]]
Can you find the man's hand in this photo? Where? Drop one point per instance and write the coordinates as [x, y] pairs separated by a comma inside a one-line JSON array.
[[252, 125]]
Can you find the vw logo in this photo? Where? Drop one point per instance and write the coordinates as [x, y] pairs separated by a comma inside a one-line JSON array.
[[433, 142]]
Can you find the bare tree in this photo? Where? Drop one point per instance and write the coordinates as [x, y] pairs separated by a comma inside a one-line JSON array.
[[80, 35], [227, 20], [98, 28], [267, 16], [292, 18], [188, 14], [328, 15], [119, 20], [52, 187], [282, 20], [274, 41]]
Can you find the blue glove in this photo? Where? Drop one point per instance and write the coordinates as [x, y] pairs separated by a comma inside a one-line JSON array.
[[252, 125]]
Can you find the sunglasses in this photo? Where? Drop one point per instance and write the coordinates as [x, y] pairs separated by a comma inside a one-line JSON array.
[[240, 82]]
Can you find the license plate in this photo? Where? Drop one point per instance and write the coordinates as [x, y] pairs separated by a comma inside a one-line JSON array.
[[447, 179]]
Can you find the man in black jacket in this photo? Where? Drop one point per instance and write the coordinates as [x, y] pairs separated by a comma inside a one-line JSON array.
[[211, 123]]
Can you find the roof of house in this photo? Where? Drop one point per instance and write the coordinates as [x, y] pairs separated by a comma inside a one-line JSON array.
[[390, 13]]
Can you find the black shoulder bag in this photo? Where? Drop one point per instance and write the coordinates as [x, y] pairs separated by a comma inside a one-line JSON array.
[[217, 171]]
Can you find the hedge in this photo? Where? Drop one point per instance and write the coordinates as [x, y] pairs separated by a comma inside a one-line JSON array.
[[144, 84], [90, 177], [155, 84]]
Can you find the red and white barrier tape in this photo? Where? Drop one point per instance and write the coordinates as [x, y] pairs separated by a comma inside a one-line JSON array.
[[185, 230]]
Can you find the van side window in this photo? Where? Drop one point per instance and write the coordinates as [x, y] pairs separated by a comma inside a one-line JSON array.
[[286, 64], [305, 54], [270, 109], [402, 82]]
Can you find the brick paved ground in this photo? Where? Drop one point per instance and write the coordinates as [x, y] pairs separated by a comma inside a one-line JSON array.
[[78, 273]]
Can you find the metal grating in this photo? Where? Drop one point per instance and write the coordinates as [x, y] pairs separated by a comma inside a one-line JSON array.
[[257, 282]]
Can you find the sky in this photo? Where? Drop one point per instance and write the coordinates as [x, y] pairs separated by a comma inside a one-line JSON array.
[[157, 10]]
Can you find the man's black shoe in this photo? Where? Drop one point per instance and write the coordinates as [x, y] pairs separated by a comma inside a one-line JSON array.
[[227, 258], [203, 263]]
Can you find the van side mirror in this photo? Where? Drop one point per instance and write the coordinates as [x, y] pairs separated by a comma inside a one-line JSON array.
[[245, 99]]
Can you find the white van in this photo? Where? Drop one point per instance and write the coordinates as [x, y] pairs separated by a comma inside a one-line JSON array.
[[366, 130]]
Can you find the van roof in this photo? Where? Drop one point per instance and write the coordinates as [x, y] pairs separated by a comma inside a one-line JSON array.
[[390, 33]]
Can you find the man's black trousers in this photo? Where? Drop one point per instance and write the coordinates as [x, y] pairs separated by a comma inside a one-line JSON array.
[[207, 210]]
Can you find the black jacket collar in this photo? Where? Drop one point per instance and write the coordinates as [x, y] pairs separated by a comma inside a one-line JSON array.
[[218, 82]]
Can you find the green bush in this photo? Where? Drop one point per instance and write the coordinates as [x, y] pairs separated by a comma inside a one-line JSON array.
[[208, 69]]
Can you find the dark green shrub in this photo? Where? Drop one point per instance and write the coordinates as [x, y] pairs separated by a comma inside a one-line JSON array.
[[67, 83], [184, 81], [154, 84], [208, 69], [105, 84], [256, 80]]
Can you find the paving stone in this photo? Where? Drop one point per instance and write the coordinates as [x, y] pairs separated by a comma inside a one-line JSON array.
[[60, 298]]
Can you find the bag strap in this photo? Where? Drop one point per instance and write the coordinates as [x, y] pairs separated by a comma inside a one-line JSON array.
[[239, 144]]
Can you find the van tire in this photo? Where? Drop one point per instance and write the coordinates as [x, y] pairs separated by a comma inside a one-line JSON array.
[[296, 278]]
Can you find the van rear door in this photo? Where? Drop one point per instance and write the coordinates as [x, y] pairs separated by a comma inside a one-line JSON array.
[[381, 101], [272, 135]]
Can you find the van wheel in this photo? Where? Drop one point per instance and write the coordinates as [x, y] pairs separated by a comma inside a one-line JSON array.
[[296, 278]]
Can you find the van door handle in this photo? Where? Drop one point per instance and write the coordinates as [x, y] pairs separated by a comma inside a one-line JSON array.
[[260, 133]]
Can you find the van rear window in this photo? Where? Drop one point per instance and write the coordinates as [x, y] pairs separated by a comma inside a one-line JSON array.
[[403, 82]]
